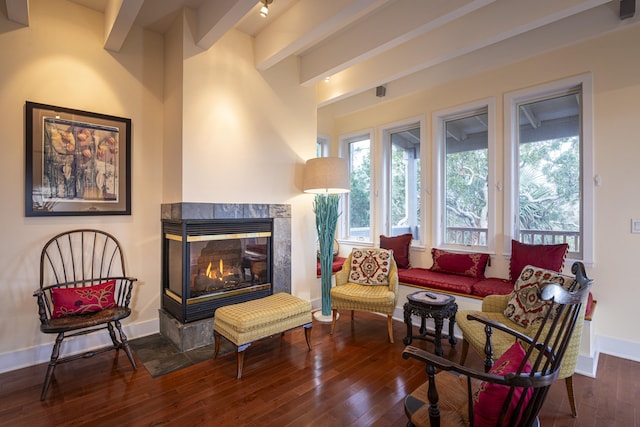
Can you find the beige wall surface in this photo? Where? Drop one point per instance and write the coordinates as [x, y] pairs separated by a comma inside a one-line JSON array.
[[232, 135], [59, 60], [614, 63]]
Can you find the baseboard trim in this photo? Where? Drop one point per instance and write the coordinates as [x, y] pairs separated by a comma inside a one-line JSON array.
[[75, 345], [587, 365]]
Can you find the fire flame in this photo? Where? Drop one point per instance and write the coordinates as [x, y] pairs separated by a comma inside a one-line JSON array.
[[210, 274]]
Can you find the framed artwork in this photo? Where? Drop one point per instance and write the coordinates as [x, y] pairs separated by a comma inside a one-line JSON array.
[[77, 162]]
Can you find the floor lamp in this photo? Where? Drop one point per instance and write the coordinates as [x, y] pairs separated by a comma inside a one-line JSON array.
[[326, 177]]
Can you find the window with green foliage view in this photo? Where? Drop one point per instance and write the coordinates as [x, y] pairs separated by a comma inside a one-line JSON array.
[[404, 191], [359, 198], [466, 169], [549, 171]]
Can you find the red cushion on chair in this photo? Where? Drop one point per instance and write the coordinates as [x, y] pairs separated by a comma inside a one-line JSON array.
[[86, 299], [467, 264], [550, 257], [488, 399], [400, 247]]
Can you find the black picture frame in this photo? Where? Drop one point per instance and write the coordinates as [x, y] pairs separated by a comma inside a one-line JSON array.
[[77, 162]]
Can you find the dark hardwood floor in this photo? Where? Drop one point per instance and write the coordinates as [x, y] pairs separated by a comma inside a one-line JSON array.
[[355, 378]]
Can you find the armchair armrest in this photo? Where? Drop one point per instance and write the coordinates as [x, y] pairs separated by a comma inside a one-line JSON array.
[[342, 276], [500, 326]]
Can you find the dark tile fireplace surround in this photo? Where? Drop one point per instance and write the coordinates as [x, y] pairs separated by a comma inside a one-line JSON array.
[[186, 316]]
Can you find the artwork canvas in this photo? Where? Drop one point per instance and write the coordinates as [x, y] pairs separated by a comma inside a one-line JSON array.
[[78, 162]]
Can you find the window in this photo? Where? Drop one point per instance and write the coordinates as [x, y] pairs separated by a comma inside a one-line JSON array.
[[358, 201], [322, 146], [463, 173], [402, 204], [548, 150]]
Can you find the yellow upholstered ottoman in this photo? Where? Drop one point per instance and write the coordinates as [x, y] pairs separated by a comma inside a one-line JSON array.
[[250, 321]]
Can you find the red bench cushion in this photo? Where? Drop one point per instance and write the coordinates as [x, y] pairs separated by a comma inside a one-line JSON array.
[[336, 265], [435, 280], [492, 286]]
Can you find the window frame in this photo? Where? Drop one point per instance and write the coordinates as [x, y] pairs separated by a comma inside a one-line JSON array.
[[547, 90], [323, 146], [344, 228], [385, 132], [439, 118]]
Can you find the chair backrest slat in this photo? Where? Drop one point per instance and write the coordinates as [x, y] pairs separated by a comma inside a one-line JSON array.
[[81, 257]]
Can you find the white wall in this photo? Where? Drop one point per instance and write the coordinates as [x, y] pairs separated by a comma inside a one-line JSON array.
[[245, 137], [615, 65]]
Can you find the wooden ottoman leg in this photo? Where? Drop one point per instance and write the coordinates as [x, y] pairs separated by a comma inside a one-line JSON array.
[[240, 356], [307, 334], [216, 338]]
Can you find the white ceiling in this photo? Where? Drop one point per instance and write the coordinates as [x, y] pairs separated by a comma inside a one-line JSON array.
[[406, 45]]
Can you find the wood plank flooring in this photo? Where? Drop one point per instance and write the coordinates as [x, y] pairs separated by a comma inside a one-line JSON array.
[[355, 378]]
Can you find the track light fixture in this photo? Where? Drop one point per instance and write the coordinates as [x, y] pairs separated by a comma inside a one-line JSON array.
[[264, 10]]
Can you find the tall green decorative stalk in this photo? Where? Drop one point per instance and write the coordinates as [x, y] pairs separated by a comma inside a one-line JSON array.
[[325, 206]]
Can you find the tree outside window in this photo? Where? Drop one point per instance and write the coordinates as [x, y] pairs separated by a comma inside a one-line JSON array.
[[466, 169], [359, 198]]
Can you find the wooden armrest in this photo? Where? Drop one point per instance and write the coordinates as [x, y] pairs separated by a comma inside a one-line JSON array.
[[524, 380]]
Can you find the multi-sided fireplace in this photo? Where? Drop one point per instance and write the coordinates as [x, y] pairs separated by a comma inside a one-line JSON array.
[[212, 263], [219, 254]]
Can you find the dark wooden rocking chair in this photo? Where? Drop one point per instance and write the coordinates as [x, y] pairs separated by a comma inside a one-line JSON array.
[[517, 384], [83, 289]]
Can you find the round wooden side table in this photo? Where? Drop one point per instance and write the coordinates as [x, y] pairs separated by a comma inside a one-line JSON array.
[[437, 306]]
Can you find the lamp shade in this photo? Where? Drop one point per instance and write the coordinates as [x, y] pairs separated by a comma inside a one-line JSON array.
[[328, 175]]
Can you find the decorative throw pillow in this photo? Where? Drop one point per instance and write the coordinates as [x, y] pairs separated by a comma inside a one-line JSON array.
[[525, 306], [400, 247], [370, 266], [550, 257], [470, 265], [489, 398], [86, 299]]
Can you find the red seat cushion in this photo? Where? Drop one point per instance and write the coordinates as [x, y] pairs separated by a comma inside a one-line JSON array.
[[492, 286], [431, 279]]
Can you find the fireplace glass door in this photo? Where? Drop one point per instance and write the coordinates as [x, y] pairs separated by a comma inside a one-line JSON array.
[[205, 270]]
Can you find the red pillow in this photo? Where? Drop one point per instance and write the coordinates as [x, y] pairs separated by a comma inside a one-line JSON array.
[[86, 299], [549, 257], [470, 265], [400, 247], [488, 399]]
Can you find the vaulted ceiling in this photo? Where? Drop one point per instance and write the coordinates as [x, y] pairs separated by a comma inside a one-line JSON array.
[[404, 45]]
